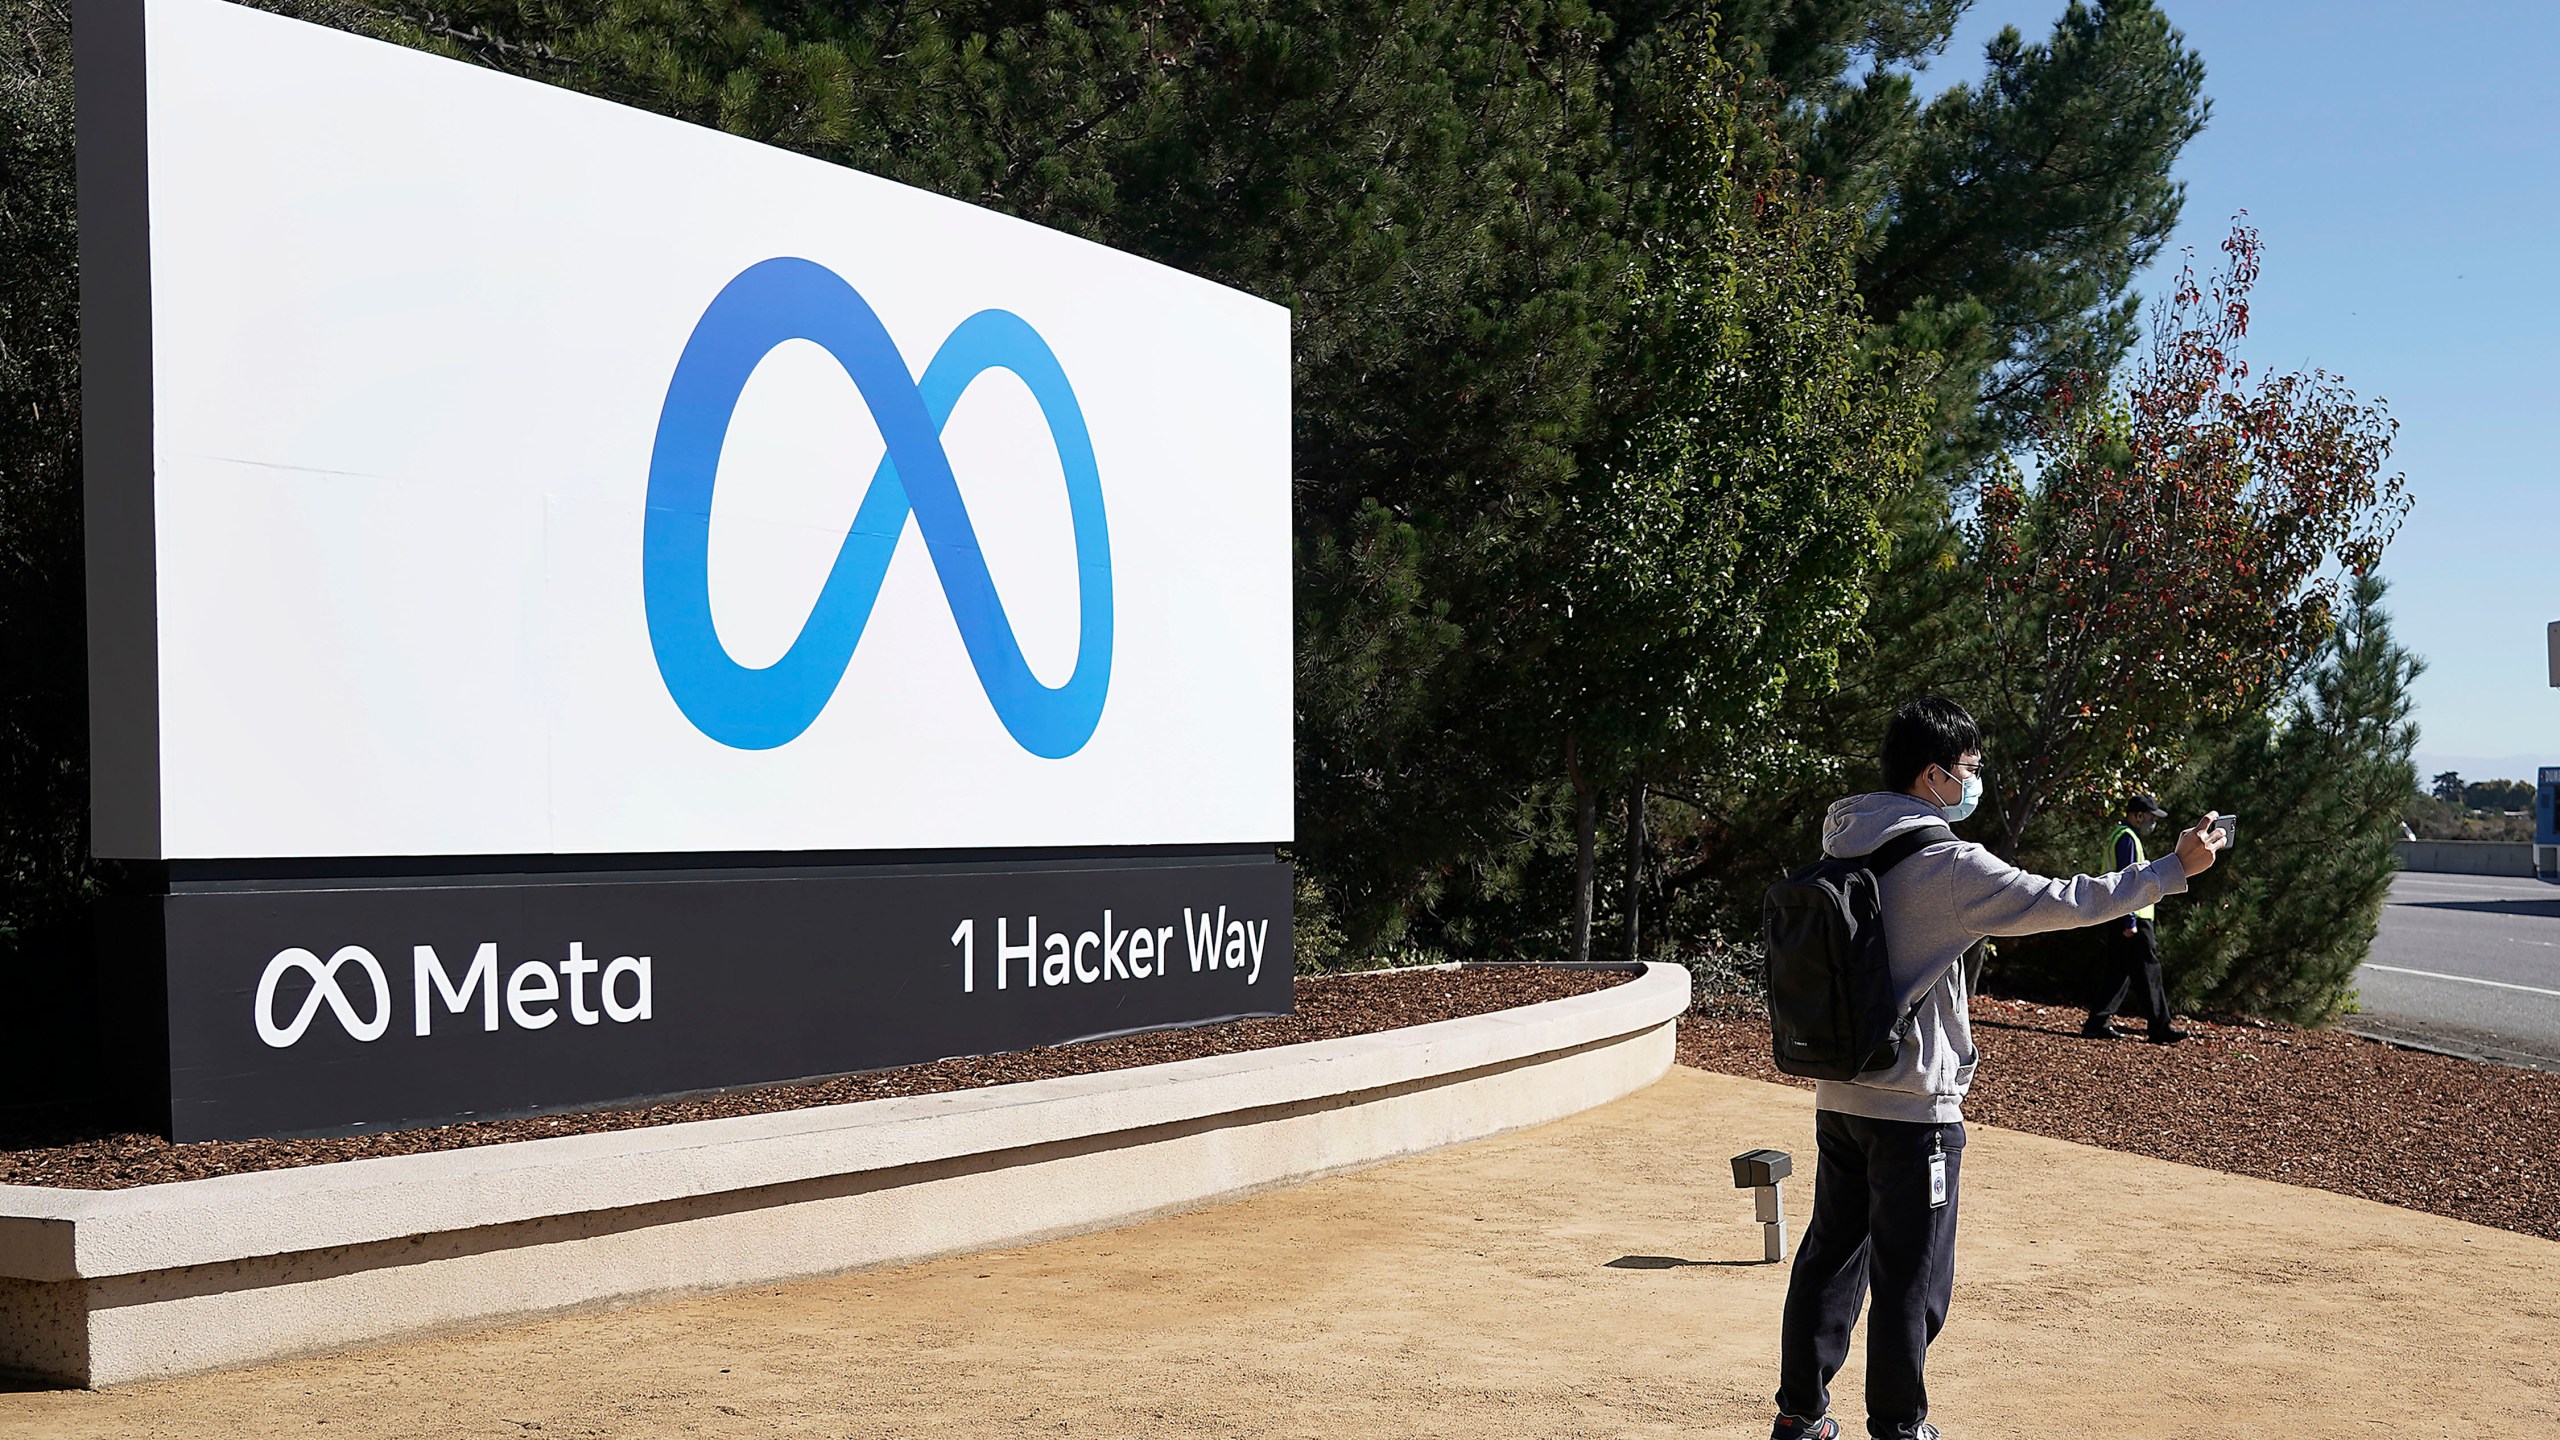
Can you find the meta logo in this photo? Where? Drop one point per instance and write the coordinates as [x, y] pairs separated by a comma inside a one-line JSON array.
[[537, 992], [786, 299]]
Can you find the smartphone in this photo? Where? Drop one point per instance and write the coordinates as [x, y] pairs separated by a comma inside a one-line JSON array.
[[2229, 825]]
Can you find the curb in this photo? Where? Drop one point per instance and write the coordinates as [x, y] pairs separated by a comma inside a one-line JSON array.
[[106, 1287], [2452, 1050]]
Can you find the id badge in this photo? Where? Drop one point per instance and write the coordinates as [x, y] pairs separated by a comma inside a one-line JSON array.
[[1938, 1180]]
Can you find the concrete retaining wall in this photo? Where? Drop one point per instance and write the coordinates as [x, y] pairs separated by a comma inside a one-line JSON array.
[[104, 1287], [2468, 857]]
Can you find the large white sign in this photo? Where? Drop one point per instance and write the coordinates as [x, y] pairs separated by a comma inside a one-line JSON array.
[[532, 474]]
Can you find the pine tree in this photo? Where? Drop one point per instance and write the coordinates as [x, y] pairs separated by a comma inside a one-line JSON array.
[[2279, 929], [2006, 217]]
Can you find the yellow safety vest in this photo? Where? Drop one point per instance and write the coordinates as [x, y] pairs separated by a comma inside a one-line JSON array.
[[2138, 856]]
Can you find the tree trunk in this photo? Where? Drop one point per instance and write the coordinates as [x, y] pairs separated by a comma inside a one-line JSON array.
[[1586, 816], [1635, 867]]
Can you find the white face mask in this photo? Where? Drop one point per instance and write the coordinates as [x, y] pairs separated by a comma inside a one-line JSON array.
[[1967, 796]]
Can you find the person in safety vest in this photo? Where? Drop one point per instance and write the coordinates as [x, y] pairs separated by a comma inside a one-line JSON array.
[[2133, 952]]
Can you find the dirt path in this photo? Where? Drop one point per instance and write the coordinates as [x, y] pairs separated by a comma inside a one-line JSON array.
[[1470, 1293]]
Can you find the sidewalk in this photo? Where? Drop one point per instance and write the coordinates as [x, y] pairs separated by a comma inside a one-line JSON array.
[[1470, 1293]]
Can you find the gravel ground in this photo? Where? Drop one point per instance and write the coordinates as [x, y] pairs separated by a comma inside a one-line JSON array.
[[1598, 1278], [68, 1156], [2307, 1107]]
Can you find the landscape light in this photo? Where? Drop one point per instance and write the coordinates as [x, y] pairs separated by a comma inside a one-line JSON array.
[[1763, 1173]]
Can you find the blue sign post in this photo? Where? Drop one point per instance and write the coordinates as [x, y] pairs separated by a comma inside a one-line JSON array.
[[2546, 824]]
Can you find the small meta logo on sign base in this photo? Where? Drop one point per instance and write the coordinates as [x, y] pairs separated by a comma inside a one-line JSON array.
[[354, 988], [838, 970]]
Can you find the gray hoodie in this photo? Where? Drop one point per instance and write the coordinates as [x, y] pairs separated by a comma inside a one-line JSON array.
[[1936, 904]]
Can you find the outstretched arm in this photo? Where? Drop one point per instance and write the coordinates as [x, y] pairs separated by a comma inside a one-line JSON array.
[[2001, 899]]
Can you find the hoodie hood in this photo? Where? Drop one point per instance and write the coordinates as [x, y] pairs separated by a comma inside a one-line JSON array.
[[1858, 824]]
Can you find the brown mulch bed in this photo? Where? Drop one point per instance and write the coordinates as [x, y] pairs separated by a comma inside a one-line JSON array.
[[2322, 1108], [67, 1156]]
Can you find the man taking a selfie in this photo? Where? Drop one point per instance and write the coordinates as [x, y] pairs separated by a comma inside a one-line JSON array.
[[1891, 1141]]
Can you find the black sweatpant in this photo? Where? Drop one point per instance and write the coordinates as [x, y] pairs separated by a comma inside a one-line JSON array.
[[2134, 959], [1873, 1230]]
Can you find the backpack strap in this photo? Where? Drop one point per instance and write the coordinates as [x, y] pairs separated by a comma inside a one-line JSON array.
[[1905, 845], [1883, 858]]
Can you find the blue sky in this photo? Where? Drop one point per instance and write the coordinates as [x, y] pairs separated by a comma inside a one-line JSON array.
[[2403, 166]]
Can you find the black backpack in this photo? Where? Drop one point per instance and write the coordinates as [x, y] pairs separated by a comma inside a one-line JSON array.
[[1832, 1009]]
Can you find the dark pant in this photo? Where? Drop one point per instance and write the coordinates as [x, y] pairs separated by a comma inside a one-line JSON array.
[[2133, 959], [1873, 1230]]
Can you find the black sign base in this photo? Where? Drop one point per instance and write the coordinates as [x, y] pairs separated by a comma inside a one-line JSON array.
[[318, 1006]]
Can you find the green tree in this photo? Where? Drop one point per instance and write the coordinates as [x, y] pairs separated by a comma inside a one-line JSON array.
[[2497, 796], [2022, 207], [1717, 542], [2177, 549], [1731, 831], [2320, 783], [2496, 810], [2004, 222], [2006, 217]]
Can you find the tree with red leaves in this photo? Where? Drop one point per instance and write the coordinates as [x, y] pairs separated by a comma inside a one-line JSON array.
[[2179, 545]]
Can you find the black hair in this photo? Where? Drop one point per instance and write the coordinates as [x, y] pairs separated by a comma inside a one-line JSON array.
[[1932, 730]]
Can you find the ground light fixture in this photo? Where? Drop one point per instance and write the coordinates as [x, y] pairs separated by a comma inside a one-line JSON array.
[[1763, 1173]]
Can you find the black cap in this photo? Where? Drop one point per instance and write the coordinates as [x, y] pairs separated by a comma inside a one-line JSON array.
[[2143, 802]]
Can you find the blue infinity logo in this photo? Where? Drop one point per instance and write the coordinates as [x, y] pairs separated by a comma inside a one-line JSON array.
[[757, 709]]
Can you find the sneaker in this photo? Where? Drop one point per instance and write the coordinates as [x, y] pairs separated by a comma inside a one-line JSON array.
[[1791, 1428]]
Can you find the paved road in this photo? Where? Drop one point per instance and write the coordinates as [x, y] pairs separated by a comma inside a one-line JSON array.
[[2468, 962]]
